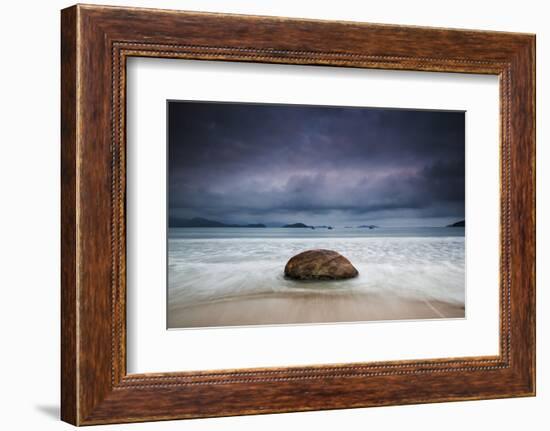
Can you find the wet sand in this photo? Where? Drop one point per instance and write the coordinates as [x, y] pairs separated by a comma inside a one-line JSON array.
[[300, 308]]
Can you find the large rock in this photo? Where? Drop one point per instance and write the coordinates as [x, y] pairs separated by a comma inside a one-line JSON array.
[[319, 265]]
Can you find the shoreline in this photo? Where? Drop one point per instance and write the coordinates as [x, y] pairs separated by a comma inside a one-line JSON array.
[[299, 308]]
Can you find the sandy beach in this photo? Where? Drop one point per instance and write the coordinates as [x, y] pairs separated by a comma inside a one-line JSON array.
[[290, 308]]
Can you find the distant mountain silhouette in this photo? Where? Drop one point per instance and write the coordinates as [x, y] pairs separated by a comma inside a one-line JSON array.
[[461, 223], [202, 222], [302, 225]]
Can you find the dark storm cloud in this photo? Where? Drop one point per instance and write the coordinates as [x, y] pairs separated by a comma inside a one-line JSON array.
[[245, 163]]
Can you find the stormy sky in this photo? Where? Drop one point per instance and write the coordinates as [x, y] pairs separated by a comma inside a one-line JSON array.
[[278, 164]]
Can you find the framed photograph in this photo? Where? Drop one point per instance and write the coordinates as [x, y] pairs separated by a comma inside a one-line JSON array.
[[384, 187], [264, 214]]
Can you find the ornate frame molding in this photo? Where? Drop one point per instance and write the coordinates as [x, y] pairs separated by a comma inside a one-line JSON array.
[[96, 41]]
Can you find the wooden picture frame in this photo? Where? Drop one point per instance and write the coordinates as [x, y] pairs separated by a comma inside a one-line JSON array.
[[95, 43]]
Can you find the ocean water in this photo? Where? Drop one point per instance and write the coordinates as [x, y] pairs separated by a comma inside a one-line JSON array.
[[208, 265]]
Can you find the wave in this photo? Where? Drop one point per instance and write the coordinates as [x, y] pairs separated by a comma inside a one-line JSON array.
[[202, 270]]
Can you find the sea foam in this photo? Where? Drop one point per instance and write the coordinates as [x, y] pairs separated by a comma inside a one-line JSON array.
[[219, 264]]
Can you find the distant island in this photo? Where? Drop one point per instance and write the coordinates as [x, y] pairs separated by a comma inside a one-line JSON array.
[[299, 225], [461, 223], [305, 226], [202, 222]]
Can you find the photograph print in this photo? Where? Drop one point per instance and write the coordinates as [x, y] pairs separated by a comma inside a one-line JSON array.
[[299, 214]]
